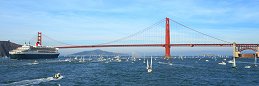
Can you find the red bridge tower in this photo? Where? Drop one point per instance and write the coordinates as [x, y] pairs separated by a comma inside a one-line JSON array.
[[167, 39]]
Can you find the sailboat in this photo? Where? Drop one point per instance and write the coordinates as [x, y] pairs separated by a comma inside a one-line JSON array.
[[255, 61], [149, 66], [144, 61], [82, 59], [35, 62]]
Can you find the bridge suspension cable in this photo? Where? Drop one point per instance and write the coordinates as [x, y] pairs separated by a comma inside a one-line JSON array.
[[134, 34], [199, 32], [33, 39], [55, 40]]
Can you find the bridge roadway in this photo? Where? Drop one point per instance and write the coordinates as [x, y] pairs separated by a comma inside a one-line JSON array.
[[160, 45]]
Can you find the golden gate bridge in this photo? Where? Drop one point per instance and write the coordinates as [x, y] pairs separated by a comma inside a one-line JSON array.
[[166, 43]]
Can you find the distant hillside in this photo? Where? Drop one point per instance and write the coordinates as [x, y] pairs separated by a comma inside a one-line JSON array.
[[6, 46], [97, 52]]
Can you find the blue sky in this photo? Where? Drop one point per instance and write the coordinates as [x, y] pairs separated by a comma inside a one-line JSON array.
[[97, 21]]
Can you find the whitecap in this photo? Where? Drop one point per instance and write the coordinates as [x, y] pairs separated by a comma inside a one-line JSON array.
[[32, 82]]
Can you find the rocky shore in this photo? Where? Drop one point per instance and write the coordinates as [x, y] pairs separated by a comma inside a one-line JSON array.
[[6, 46]]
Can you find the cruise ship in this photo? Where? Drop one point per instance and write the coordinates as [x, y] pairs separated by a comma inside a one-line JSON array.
[[38, 51]]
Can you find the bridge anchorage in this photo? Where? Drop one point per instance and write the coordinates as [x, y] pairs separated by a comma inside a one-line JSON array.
[[238, 48]]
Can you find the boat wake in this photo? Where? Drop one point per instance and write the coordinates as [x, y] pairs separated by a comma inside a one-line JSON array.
[[165, 63], [32, 82], [176, 65]]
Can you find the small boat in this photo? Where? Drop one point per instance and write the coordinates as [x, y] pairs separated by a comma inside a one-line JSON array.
[[75, 58], [117, 59], [68, 60], [82, 59], [57, 76], [207, 60], [101, 59], [181, 58], [35, 62], [222, 63], [247, 66], [149, 66], [149, 70]]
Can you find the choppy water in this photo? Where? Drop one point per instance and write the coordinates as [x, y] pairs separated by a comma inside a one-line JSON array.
[[186, 71]]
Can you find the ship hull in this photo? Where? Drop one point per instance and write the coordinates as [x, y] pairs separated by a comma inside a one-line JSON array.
[[34, 56]]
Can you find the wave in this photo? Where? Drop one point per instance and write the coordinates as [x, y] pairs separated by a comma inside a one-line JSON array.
[[32, 82]]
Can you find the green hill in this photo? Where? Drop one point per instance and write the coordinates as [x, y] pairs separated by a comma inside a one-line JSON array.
[[97, 52]]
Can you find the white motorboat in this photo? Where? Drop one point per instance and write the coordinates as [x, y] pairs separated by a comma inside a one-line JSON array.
[[247, 66], [35, 62], [57, 76], [222, 63]]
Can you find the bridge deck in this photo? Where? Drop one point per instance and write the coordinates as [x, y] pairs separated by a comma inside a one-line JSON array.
[[160, 45]]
